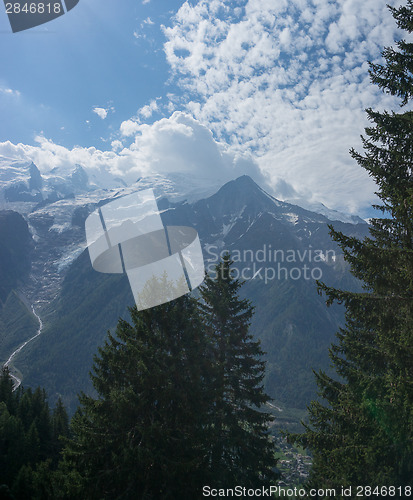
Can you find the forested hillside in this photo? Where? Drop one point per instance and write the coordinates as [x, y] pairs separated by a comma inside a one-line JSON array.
[[29, 441]]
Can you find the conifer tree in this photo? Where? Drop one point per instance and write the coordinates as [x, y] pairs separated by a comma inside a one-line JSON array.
[[145, 435], [241, 450], [29, 444], [178, 407], [59, 427], [361, 433]]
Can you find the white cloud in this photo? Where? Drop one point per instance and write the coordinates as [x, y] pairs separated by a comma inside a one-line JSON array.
[[132, 126], [101, 112], [170, 145], [182, 144], [143, 26], [116, 145], [9, 91], [129, 127], [281, 84], [148, 21], [144, 2], [48, 155], [287, 82], [149, 109]]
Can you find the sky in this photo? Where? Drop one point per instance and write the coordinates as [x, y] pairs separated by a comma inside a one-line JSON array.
[[273, 88]]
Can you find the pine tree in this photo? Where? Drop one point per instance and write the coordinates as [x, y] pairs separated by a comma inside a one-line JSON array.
[[59, 428], [29, 450], [179, 403], [23, 485], [362, 431], [6, 390], [145, 435], [241, 450]]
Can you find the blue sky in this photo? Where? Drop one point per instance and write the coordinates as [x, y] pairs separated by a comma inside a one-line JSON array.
[[212, 88], [88, 58]]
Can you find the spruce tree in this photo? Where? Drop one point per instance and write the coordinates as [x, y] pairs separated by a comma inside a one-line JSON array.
[[178, 406], [30, 445], [361, 432], [241, 450], [145, 434]]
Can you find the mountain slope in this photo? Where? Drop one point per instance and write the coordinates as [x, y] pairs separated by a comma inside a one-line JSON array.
[[278, 247], [16, 321]]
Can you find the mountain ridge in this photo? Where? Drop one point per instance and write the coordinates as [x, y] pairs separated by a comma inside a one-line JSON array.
[[80, 305], [22, 182]]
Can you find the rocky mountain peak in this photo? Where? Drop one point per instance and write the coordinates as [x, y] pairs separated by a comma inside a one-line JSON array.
[[79, 178], [36, 180]]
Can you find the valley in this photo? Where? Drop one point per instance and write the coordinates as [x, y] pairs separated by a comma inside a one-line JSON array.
[[77, 305]]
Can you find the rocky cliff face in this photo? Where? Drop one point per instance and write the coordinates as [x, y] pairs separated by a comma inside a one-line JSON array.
[[15, 251]]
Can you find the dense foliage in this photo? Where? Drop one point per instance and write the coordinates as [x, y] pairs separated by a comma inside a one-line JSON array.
[[179, 391], [240, 451], [362, 432], [30, 442]]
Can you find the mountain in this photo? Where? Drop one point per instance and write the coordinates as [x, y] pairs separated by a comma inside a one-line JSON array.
[[20, 182], [23, 187], [178, 186], [278, 247], [16, 245], [320, 208], [286, 248]]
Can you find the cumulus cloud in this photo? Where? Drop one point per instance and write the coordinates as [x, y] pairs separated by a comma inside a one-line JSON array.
[[101, 112], [286, 82], [149, 109], [116, 145], [48, 155], [179, 144], [129, 127], [274, 89], [182, 144], [132, 126]]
